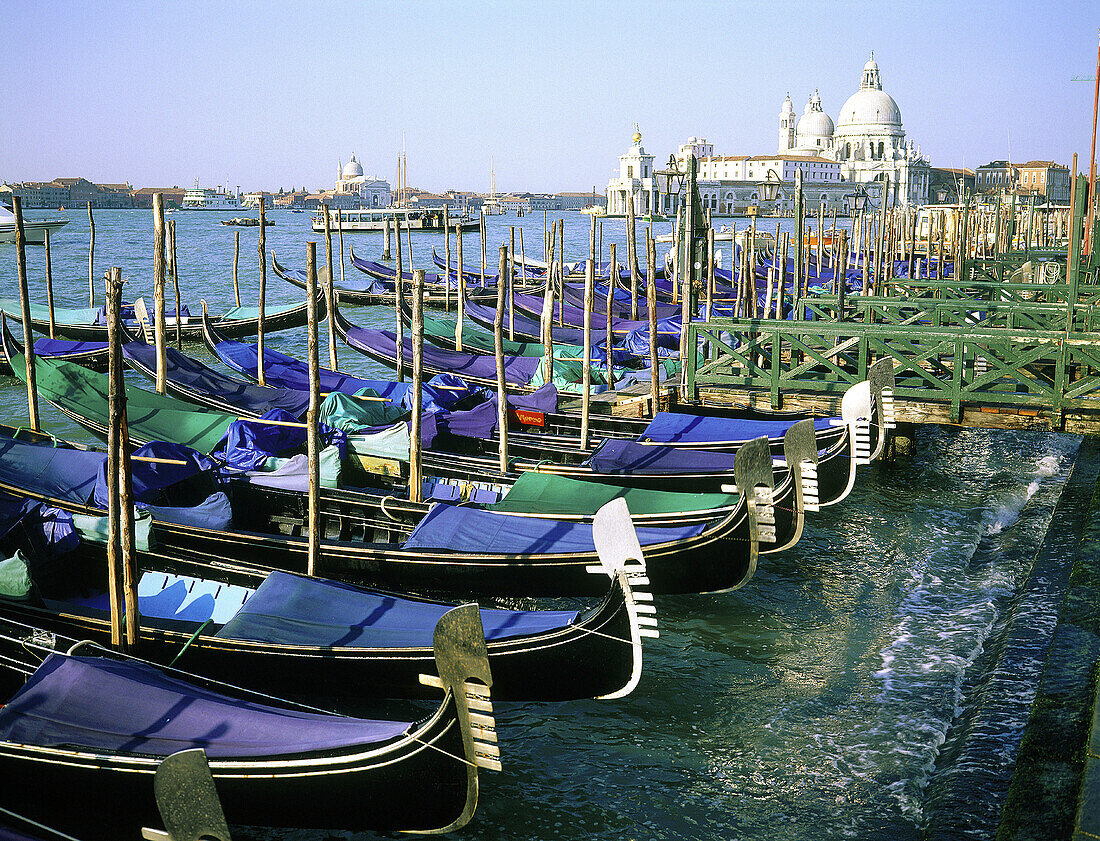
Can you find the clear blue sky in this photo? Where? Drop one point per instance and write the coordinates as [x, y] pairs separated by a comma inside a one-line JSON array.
[[270, 94]]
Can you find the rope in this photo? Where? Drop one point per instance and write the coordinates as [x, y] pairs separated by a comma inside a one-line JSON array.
[[455, 757], [190, 640]]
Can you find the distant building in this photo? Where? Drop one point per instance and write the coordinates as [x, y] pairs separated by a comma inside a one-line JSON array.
[[370, 190], [579, 201], [173, 196], [515, 203], [995, 176], [1045, 178], [636, 183], [945, 185]]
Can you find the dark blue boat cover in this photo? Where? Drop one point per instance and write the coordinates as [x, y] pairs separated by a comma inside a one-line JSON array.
[[126, 707], [615, 456], [68, 475], [287, 372], [153, 479], [191, 374], [675, 428], [44, 532], [386, 274], [468, 530], [65, 347], [295, 610], [249, 443], [518, 370]]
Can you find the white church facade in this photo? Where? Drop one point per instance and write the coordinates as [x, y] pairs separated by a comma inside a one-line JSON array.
[[354, 189]]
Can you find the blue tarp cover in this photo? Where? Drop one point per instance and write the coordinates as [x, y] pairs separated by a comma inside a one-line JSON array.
[[152, 479], [247, 444], [131, 708], [453, 529], [616, 456], [64, 474], [192, 374], [295, 610], [674, 428]]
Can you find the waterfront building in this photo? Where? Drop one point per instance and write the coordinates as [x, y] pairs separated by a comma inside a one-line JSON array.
[[1047, 179], [367, 190], [637, 182], [579, 201], [946, 185], [172, 196], [68, 192]]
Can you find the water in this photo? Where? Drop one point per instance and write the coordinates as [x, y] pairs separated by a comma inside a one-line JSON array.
[[871, 683]]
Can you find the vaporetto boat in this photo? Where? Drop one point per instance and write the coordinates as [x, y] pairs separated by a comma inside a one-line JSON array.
[[374, 219]]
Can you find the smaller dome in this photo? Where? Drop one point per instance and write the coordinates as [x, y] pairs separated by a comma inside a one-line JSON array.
[[352, 169], [814, 122]]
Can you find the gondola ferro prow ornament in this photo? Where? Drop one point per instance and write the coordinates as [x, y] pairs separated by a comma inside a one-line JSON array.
[[881, 377], [187, 800], [753, 474], [461, 657], [800, 453], [621, 557], [856, 409]]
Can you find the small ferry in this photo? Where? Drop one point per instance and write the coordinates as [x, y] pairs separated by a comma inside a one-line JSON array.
[[428, 219], [204, 198]]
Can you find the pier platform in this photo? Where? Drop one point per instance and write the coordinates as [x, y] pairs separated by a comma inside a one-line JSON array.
[[1055, 789]]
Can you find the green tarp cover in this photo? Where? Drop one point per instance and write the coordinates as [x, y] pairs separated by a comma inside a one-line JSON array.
[[389, 443], [545, 493], [244, 313], [151, 416], [476, 339], [96, 528], [15, 577], [350, 414], [39, 312]]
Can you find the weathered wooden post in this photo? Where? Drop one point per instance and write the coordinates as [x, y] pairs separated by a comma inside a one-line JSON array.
[[820, 237], [330, 295], [313, 414], [399, 302], [176, 284], [416, 479], [461, 290], [798, 243], [481, 223], [511, 283], [561, 274], [586, 355], [498, 353], [880, 246], [632, 258], [409, 238], [25, 312], [610, 338], [49, 281], [651, 304], [710, 272], [340, 232], [236, 261], [546, 323], [91, 258], [386, 238], [262, 248], [940, 245], [159, 336], [447, 267], [115, 397], [523, 256]]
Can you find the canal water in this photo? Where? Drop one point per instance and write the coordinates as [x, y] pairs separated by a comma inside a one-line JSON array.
[[873, 682]]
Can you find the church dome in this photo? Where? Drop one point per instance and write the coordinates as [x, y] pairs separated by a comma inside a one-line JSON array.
[[871, 105], [352, 169], [814, 122]]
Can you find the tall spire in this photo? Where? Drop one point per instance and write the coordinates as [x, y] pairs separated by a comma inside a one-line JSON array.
[[870, 80]]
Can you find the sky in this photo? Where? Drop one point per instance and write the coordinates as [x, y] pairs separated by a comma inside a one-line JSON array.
[[273, 94]]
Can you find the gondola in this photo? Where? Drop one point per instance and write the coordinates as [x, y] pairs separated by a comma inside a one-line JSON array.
[[90, 325], [453, 549], [91, 355], [526, 267], [84, 730], [268, 630]]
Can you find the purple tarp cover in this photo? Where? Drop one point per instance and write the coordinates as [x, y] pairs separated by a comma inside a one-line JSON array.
[[676, 428], [128, 707]]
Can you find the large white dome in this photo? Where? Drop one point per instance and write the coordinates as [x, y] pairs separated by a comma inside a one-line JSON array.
[[870, 107], [815, 124], [352, 169]]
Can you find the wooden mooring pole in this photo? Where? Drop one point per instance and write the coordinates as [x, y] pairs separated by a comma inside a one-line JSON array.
[[262, 248], [511, 283], [25, 313], [176, 284], [461, 289], [546, 323], [236, 262], [399, 302], [49, 282], [416, 478], [121, 551], [632, 258], [651, 304], [330, 294], [447, 268], [586, 355], [91, 257], [498, 353], [313, 414], [613, 271], [386, 238], [159, 330]]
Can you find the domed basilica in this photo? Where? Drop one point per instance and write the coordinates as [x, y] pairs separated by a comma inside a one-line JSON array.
[[868, 139]]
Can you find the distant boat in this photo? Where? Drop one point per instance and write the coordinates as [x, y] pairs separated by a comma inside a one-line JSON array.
[[34, 230], [202, 198], [246, 222], [413, 219]]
